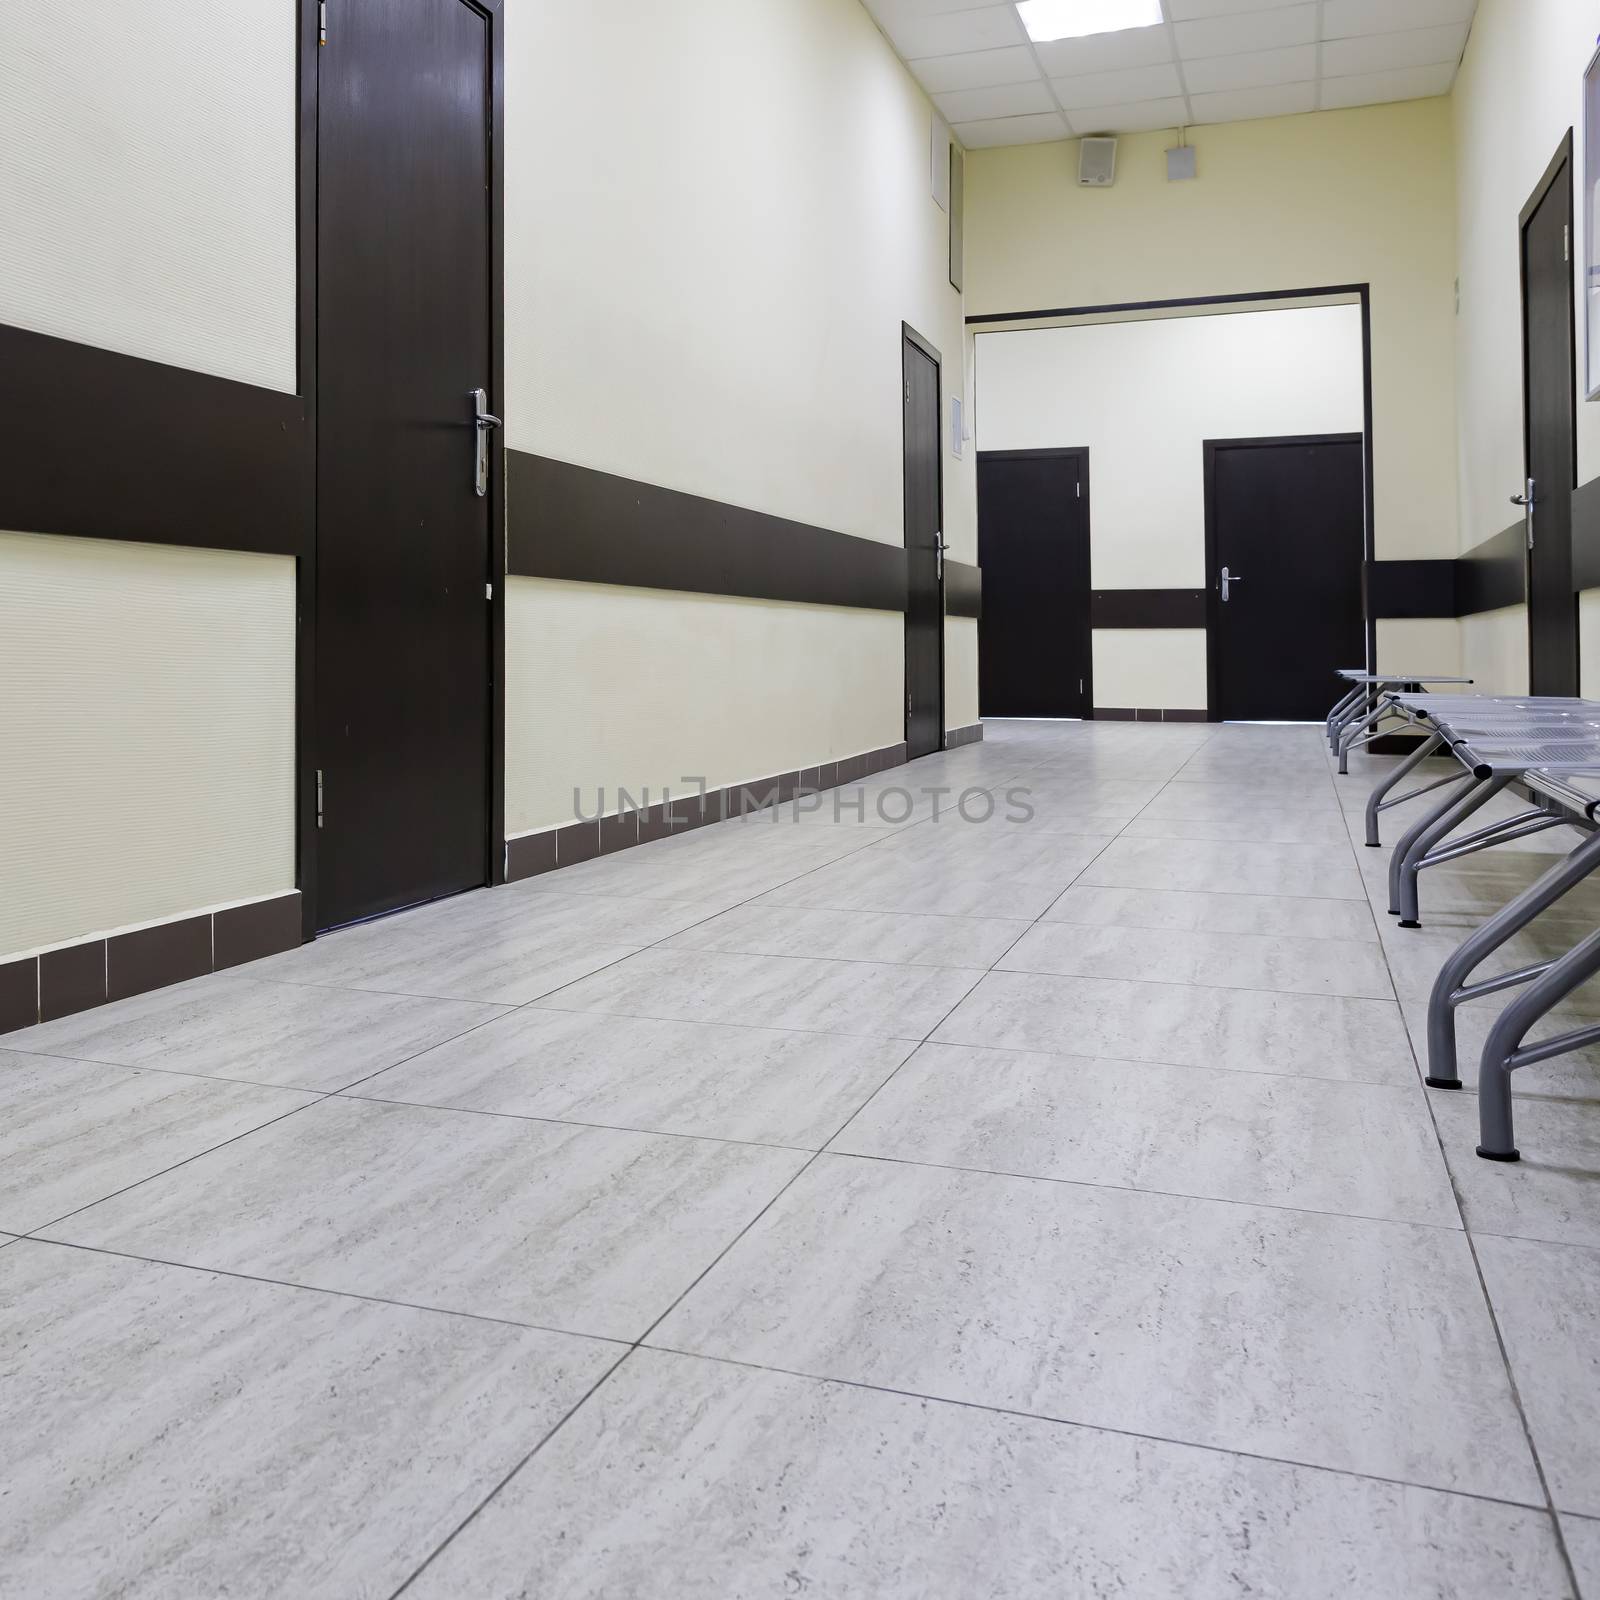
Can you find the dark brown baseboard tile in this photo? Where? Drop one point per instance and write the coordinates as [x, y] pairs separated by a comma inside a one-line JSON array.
[[80, 976], [535, 853], [954, 738], [1148, 714]]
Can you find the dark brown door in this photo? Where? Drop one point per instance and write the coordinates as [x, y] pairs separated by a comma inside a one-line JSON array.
[[1285, 542], [924, 553], [1033, 547], [1549, 380], [403, 336]]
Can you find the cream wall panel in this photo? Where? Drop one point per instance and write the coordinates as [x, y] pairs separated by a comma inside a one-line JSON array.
[[1150, 668], [960, 671], [1143, 396], [641, 688], [1334, 197], [146, 734], [1419, 644], [1589, 644], [147, 180], [1520, 88], [710, 298], [1494, 650]]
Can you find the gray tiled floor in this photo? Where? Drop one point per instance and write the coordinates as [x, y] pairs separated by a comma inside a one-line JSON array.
[[1024, 1208]]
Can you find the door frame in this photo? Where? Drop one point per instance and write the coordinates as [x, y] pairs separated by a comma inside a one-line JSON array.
[[1080, 452], [306, 840], [1541, 190], [1209, 448], [910, 339]]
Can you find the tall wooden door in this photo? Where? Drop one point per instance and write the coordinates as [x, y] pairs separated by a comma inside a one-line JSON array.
[[924, 550], [1549, 381], [1285, 540], [1033, 547], [403, 339]]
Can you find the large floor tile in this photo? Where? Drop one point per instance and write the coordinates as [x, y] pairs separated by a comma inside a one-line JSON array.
[[1582, 1536], [703, 1481], [1552, 1193], [1315, 1036], [893, 937], [72, 1132], [714, 1080], [173, 1433], [1331, 1341], [1320, 870], [869, 998], [1359, 1149], [585, 1229], [1547, 1299], [225, 1026], [1245, 824], [1196, 911], [1287, 965]]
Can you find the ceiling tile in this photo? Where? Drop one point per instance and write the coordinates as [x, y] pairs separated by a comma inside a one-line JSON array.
[[1117, 88], [979, 70], [1344, 18], [1258, 67], [1385, 52], [1183, 10], [1011, 130], [1105, 52], [887, 11], [1259, 30], [1011, 100], [954, 32], [1138, 117], [1370, 88], [1240, 105]]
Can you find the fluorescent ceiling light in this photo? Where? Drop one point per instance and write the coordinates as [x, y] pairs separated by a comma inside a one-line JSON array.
[[1073, 19]]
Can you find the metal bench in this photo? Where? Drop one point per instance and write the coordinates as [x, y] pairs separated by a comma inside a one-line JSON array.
[[1573, 795], [1353, 722]]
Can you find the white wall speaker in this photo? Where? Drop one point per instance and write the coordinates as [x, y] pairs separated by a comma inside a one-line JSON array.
[[1097, 163]]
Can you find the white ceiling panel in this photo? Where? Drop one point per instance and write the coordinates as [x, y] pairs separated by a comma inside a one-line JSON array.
[[956, 31], [1344, 18], [1260, 30], [1011, 130], [1138, 117], [1372, 88], [1008, 100], [1105, 52], [982, 69], [1252, 70], [1110, 88], [1241, 105], [1209, 61], [1387, 52]]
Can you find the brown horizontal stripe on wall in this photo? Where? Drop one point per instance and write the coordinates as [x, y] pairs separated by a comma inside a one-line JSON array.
[[79, 976], [1586, 535], [1411, 588], [954, 738], [536, 853], [571, 522], [1147, 608], [110, 446], [963, 590], [1494, 573]]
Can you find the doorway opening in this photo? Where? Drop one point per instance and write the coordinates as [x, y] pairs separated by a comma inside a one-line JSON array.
[[924, 537]]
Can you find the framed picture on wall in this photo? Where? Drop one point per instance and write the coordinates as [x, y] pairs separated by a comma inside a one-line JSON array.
[[1590, 225]]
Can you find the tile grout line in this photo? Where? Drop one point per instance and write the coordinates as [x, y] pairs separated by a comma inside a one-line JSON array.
[[1472, 1249]]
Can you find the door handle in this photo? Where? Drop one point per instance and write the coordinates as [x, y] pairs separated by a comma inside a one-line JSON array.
[[939, 548], [482, 421], [1527, 500], [1227, 579]]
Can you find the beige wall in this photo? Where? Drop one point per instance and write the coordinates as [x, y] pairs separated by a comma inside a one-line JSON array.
[[1292, 202], [1589, 644], [1519, 89], [146, 734], [1143, 396], [711, 299]]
